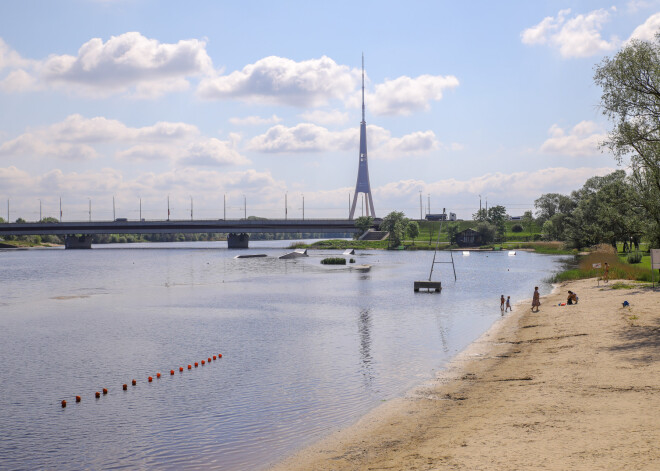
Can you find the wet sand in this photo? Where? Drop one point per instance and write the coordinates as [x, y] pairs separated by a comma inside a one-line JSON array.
[[570, 387]]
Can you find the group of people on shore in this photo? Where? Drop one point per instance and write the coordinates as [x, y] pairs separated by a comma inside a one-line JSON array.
[[536, 300]]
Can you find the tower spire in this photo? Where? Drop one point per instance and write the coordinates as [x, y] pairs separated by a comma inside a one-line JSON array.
[[363, 87], [362, 185]]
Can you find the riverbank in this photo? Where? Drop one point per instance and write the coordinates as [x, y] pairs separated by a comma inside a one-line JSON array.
[[569, 387]]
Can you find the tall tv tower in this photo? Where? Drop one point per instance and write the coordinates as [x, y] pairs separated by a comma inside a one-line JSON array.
[[362, 185]]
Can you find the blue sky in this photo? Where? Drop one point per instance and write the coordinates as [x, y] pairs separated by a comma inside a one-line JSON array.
[[215, 100]]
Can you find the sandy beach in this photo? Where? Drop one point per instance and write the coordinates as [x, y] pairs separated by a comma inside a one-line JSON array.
[[569, 387]]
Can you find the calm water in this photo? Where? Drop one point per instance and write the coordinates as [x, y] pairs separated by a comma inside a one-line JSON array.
[[306, 348]]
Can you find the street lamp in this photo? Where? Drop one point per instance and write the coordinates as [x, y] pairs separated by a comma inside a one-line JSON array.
[[140, 198], [303, 208], [286, 205], [244, 207], [90, 209], [191, 208], [39, 209]]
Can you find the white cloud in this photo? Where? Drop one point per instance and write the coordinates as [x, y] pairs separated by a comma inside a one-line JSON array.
[[18, 81], [332, 117], [254, 120], [75, 138], [405, 95], [130, 62], [307, 137], [581, 140], [282, 81], [647, 30], [579, 36], [11, 59]]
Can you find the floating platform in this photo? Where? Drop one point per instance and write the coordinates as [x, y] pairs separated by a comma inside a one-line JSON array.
[[295, 254], [363, 268], [256, 255], [430, 286], [349, 252]]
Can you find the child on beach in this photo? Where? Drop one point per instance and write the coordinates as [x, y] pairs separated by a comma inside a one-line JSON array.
[[536, 300], [572, 298], [502, 303], [508, 304]]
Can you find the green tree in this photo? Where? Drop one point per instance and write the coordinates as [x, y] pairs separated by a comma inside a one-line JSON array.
[[550, 204], [394, 223], [497, 217], [527, 220], [452, 231], [487, 232], [480, 215], [631, 100], [363, 223], [412, 229]]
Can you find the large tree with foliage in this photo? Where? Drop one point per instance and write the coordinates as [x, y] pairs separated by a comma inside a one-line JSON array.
[[412, 230], [395, 223], [631, 100], [363, 223]]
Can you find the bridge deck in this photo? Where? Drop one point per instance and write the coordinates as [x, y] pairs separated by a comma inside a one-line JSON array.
[[166, 227]]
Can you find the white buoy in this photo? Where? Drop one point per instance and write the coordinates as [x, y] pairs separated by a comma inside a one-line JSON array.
[[466, 253]]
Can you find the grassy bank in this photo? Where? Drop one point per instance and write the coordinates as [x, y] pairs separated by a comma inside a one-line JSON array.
[[619, 268]]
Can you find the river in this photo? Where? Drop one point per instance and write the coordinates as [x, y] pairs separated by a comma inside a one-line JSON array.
[[306, 348]]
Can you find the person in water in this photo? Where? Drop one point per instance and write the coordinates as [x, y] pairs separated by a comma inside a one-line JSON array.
[[508, 304], [536, 300], [502, 303], [572, 298]]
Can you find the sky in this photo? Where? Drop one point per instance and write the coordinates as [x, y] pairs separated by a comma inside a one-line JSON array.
[[231, 107]]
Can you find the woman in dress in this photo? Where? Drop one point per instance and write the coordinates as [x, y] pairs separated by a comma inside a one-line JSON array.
[[536, 300]]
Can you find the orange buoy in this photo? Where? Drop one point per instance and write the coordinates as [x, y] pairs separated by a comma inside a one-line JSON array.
[[209, 360], [63, 403], [78, 398], [97, 394], [214, 357], [189, 367], [203, 362], [157, 375], [124, 387], [134, 382], [196, 364], [180, 368], [105, 390], [150, 379], [219, 355], [171, 372]]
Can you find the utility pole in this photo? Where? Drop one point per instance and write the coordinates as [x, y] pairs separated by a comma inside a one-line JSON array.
[[286, 209], [140, 208], [224, 207], [303, 198], [168, 207], [191, 208], [40, 210], [60, 209], [420, 205], [7, 209], [244, 207], [90, 209], [428, 206], [114, 215]]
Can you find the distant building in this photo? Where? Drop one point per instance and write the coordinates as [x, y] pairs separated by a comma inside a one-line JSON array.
[[441, 217], [468, 238]]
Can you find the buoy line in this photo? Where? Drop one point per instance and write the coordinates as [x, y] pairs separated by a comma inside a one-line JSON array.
[[124, 386]]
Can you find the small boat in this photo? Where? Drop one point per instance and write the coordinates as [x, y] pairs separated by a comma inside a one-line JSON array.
[[466, 253], [512, 253]]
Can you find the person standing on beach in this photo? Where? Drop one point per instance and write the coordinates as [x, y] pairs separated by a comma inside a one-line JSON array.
[[508, 304], [536, 300], [606, 272], [502, 303]]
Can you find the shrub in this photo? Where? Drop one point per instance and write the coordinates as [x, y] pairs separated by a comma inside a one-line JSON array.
[[334, 261], [634, 257], [352, 260], [516, 228]]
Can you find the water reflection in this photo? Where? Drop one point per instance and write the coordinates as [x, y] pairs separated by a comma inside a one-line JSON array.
[[364, 330]]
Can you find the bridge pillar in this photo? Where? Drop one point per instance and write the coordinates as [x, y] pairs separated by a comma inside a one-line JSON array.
[[78, 242], [238, 241]]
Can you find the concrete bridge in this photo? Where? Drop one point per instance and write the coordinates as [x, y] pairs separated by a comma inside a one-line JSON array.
[[78, 234]]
